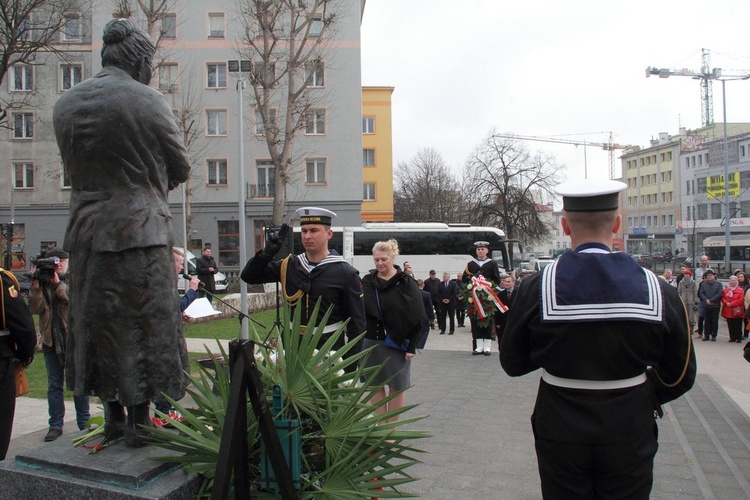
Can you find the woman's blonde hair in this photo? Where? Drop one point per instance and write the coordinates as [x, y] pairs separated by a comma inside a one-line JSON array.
[[390, 247]]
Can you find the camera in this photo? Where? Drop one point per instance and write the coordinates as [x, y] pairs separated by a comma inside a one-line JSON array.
[[45, 268]]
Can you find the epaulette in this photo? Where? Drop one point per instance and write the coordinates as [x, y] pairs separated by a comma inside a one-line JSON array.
[[10, 276]]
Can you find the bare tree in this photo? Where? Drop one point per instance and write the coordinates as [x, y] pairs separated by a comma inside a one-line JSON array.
[[504, 176], [285, 40], [426, 190], [29, 31]]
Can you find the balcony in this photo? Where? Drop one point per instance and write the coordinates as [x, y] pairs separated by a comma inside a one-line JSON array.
[[260, 191]]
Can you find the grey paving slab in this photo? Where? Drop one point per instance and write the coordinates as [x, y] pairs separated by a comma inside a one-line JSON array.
[[482, 446]]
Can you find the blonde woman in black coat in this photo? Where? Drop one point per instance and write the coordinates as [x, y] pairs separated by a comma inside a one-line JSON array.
[[393, 306]]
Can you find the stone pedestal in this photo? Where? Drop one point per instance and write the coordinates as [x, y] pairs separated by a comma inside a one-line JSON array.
[[58, 470]]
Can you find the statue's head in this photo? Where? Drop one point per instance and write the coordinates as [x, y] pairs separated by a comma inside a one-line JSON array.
[[128, 48]]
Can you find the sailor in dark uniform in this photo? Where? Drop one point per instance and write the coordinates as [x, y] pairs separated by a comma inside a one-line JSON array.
[[481, 265], [317, 273], [17, 341], [594, 418]]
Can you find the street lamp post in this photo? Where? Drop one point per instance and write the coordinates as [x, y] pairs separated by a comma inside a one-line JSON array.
[[240, 67]]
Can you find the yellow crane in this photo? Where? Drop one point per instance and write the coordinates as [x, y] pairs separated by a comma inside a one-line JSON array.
[[610, 146]]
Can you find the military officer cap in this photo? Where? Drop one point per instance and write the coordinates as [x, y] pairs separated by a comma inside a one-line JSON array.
[[590, 195], [314, 215], [481, 244]]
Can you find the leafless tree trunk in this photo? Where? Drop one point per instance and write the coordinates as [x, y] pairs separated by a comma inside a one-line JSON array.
[[286, 42]]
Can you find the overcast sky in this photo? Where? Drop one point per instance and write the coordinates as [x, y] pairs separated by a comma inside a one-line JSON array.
[[573, 70]]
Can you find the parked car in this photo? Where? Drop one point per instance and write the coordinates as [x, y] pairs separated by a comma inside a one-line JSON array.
[[219, 278], [660, 257], [644, 259], [539, 264], [24, 282]]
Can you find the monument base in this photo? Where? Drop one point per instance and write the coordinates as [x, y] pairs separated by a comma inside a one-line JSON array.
[[58, 470]]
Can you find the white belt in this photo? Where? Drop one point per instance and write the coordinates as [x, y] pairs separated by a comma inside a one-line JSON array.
[[592, 385], [326, 329], [4, 333]]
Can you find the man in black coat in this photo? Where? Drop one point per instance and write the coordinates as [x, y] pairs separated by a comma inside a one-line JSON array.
[[206, 268], [593, 421], [447, 293], [431, 285], [506, 294], [17, 340]]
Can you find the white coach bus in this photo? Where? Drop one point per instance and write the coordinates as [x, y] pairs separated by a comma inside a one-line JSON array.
[[425, 245]]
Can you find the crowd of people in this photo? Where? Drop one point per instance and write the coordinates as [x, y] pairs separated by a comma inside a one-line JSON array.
[[706, 300]]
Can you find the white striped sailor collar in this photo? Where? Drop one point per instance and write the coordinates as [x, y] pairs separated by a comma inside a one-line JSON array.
[[329, 259], [633, 294]]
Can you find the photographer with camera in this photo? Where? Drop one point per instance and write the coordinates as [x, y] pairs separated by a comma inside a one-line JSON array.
[[48, 297]]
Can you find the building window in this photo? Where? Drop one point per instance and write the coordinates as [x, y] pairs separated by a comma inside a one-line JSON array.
[[23, 125], [229, 243], [65, 177], [266, 174], [315, 73], [71, 30], [716, 210], [22, 78], [701, 185], [23, 175], [316, 26], [316, 171], [316, 121], [216, 76], [216, 122], [217, 172], [168, 77], [369, 192], [687, 187], [70, 74], [260, 127], [368, 124], [368, 157], [670, 220], [264, 74], [23, 30], [215, 25], [169, 26]]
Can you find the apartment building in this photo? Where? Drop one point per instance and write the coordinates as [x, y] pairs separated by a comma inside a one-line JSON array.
[[377, 154], [667, 202], [199, 38]]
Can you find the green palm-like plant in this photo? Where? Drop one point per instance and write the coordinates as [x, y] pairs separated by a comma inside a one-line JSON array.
[[347, 449]]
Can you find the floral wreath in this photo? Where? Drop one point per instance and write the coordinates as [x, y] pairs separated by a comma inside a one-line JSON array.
[[482, 300]]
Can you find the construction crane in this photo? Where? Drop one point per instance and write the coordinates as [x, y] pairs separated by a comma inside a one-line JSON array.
[[610, 146], [706, 77]]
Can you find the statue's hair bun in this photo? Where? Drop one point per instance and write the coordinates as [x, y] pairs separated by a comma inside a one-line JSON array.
[[117, 30]]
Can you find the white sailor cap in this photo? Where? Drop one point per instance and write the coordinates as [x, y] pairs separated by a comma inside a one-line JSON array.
[[481, 244], [314, 215], [590, 195]]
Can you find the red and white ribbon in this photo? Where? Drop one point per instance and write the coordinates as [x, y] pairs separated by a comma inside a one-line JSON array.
[[479, 283]]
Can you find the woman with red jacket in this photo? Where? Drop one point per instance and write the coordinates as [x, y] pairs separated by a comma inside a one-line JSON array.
[[733, 302]]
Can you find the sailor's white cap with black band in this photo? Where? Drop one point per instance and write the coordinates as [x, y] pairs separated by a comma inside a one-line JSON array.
[[481, 244], [314, 215], [591, 195]]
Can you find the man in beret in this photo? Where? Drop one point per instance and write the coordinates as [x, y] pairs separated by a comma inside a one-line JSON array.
[[594, 420], [49, 299], [710, 292]]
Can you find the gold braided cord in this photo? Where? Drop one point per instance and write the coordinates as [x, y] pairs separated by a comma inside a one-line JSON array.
[[687, 357], [2, 292], [291, 299]]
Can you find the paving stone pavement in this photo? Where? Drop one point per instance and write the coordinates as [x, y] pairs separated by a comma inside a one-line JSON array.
[[482, 446]]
